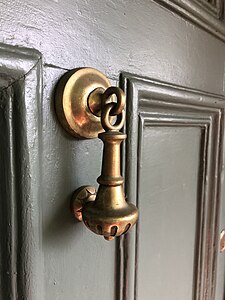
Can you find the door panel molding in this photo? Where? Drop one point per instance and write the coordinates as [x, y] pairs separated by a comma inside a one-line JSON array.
[[206, 15], [153, 103], [20, 121]]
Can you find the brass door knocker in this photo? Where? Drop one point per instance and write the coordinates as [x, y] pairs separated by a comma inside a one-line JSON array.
[[86, 109]]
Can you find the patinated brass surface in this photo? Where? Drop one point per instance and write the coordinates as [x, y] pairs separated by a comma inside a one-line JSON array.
[[86, 106], [222, 241], [110, 215], [71, 102], [82, 196]]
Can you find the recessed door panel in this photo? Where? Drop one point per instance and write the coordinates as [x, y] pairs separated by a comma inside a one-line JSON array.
[[168, 202]]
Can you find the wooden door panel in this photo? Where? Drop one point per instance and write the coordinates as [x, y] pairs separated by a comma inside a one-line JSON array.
[[174, 152], [21, 260], [176, 137], [139, 36], [209, 15], [168, 202]]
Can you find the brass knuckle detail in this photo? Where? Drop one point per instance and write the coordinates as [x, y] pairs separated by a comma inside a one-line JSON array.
[[106, 212]]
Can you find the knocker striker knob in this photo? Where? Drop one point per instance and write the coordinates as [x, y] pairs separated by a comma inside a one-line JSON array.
[[86, 108]]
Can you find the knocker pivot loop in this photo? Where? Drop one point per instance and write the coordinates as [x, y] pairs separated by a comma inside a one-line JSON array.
[[88, 106]]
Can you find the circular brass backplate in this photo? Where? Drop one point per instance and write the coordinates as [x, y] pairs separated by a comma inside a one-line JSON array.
[[71, 100]]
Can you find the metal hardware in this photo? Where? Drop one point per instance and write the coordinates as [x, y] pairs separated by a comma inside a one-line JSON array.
[[85, 104], [222, 241], [75, 92]]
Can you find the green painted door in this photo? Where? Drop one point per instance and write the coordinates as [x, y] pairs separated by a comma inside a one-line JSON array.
[[169, 58]]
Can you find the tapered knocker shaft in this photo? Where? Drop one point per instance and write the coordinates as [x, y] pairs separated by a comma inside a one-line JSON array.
[[106, 212]]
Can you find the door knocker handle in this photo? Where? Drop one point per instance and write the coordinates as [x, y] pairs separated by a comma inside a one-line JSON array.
[[87, 107]]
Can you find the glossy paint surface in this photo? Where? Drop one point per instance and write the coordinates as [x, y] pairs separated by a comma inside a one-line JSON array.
[[61, 259]]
